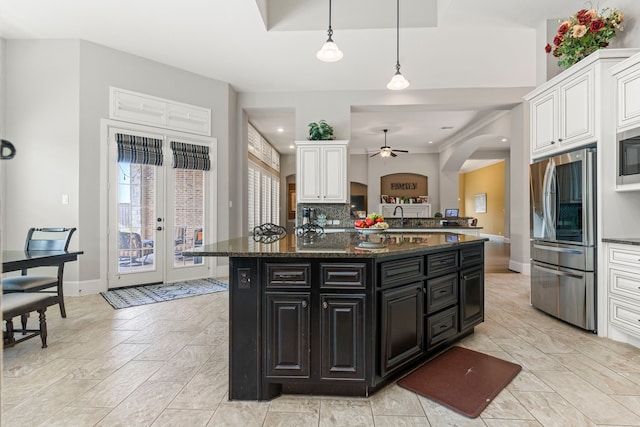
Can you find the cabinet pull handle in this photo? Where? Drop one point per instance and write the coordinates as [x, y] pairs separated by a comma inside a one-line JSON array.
[[304, 304], [325, 305]]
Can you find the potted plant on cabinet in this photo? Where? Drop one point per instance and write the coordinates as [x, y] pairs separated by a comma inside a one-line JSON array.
[[320, 131]]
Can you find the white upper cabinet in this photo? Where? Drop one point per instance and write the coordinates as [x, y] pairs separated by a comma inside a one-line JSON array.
[[321, 172], [149, 110], [567, 111], [563, 115], [627, 76]]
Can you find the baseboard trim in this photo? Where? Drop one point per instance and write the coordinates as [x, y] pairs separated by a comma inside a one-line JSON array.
[[86, 287], [520, 267]]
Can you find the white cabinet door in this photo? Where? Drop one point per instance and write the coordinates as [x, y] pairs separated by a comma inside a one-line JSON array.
[[308, 174], [544, 125], [334, 172], [577, 110], [321, 172], [628, 99]]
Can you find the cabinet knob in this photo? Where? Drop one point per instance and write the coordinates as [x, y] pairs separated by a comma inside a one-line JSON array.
[[325, 305], [304, 304], [553, 142], [559, 139]]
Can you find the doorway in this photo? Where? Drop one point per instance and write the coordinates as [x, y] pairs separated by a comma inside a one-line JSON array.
[[160, 188]]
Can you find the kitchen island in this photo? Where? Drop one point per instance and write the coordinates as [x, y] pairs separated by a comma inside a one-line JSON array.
[[345, 313]]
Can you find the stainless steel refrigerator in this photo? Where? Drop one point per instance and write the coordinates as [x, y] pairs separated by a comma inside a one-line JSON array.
[[563, 237]]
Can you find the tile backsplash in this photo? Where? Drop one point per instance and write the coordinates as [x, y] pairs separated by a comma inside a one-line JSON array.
[[337, 214]]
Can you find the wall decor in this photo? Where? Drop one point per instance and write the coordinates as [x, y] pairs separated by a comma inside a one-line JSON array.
[[481, 203]]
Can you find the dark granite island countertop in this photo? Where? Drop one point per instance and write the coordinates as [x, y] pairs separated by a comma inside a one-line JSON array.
[[323, 315], [336, 245]]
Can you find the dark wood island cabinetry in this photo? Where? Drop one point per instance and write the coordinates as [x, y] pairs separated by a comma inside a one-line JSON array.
[[322, 316]]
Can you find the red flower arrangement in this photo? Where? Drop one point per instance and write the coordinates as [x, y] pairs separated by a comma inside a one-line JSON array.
[[584, 33]]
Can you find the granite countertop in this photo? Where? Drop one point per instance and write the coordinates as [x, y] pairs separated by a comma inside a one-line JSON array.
[[623, 240], [336, 245]]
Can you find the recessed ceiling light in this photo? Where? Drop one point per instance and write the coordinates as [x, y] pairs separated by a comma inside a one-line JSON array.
[[446, 127], [291, 146], [430, 142], [504, 140], [280, 130]]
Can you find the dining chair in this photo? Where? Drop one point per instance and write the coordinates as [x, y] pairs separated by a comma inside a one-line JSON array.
[[42, 239]]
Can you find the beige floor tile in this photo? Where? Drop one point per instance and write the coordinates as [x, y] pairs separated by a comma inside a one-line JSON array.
[[439, 415], [184, 365], [206, 389], [165, 349], [400, 421], [48, 402], [143, 406], [510, 423], [395, 400], [182, 417], [293, 403], [232, 414], [106, 364], [506, 406], [551, 410], [600, 408], [290, 419], [345, 412], [117, 387], [73, 416]]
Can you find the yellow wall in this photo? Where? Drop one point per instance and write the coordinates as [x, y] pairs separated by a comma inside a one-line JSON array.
[[489, 180]]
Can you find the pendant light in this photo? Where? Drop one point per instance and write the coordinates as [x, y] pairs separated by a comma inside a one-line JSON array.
[[329, 51], [398, 82]]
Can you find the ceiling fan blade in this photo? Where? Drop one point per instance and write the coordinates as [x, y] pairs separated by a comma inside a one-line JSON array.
[[374, 154], [401, 151], [393, 154]]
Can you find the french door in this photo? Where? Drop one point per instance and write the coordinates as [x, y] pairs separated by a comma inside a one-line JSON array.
[[159, 206]]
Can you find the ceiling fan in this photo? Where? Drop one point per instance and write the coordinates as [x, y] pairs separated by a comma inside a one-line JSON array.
[[386, 151]]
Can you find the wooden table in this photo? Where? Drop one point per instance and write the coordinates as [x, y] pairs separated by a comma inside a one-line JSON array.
[[20, 260]]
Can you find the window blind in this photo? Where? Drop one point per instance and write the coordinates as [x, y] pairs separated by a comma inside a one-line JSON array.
[[190, 156], [139, 149]]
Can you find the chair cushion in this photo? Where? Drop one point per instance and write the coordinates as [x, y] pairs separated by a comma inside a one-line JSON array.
[[25, 283], [13, 301]]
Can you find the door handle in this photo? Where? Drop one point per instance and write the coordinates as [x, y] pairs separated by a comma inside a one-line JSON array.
[[562, 250], [557, 272]]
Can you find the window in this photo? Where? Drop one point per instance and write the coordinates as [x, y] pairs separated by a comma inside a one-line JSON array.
[[263, 199]]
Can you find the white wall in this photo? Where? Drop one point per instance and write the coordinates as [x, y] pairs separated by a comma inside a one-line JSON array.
[[54, 114], [42, 120]]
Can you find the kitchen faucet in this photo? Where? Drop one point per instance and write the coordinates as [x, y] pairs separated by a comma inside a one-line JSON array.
[[401, 215]]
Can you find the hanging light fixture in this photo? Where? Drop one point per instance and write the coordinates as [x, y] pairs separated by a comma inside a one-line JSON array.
[[398, 81], [329, 51]]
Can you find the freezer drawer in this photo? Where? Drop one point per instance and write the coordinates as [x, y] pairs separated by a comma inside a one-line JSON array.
[[570, 256], [566, 294]]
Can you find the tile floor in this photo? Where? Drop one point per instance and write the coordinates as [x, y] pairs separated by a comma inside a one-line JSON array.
[[165, 364]]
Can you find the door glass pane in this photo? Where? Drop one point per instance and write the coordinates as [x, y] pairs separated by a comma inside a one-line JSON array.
[[188, 214], [136, 217], [569, 187]]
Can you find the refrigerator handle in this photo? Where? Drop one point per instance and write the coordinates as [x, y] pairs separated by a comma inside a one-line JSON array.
[[548, 214]]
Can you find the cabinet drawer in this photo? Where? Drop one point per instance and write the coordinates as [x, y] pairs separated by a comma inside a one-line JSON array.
[[442, 263], [625, 283], [393, 271], [624, 256], [442, 326], [442, 292], [471, 256], [288, 275], [347, 276], [625, 315]]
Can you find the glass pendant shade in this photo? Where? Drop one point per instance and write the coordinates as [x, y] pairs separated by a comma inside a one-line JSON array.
[[385, 152], [398, 82], [329, 52]]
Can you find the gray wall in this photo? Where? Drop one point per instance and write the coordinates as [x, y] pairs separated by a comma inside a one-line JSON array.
[[57, 127]]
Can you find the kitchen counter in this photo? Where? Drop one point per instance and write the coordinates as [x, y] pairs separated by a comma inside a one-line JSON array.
[[623, 241], [337, 244], [325, 316]]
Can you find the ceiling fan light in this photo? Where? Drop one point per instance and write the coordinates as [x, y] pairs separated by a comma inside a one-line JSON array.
[[398, 82], [329, 52], [385, 152]]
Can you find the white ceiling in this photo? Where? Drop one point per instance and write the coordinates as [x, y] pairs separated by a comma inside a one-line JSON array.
[[270, 45]]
